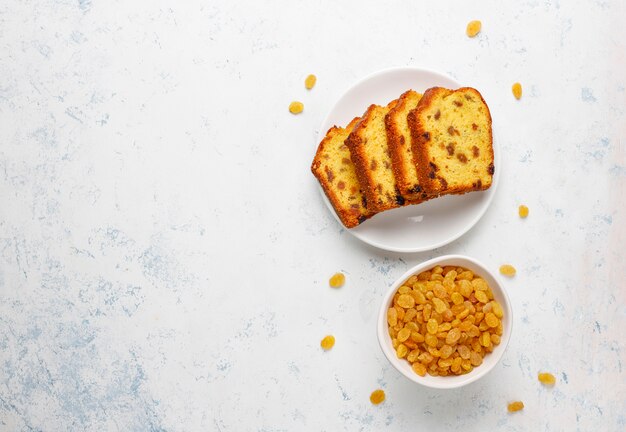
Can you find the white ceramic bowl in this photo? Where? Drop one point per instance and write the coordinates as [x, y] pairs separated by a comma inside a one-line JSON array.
[[489, 361]]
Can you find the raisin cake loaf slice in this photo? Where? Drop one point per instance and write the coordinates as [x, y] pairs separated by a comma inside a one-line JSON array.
[[334, 170], [401, 151], [370, 153], [452, 141]]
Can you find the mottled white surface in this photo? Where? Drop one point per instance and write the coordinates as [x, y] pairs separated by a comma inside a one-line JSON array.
[[164, 251]]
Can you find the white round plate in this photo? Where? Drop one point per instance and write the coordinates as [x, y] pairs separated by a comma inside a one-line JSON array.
[[413, 228]]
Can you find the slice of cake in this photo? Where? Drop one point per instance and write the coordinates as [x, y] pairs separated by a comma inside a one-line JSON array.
[[370, 153], [400, 148], [334, 170], [452, 141]]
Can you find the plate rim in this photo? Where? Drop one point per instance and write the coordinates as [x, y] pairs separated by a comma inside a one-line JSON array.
[[468, 226]]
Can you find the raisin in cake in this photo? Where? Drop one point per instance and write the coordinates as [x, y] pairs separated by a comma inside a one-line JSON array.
[[334, 170], [401, 151], [452, 141], [370, 153]]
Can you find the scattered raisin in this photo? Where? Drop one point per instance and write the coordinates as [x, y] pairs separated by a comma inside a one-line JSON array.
[[523, 211], [310, 81], [517, 90], [296, 107], [377, 396], [546, 378], [462, 157], [507, 270], [337, 280], [515, 406], [473, 28], [328, 342], [437, 115]]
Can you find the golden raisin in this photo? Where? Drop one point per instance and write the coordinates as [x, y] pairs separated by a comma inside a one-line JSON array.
[[453, 336], [409, 315], [404, 334], [475, 358], [410, 344], [413, 355], [457, 298], [417, 337], [296, 107], [485, 339], [440, 291], [480, 284], [392, 317], [404, 289], [481, 296], [463, 351], [517, 90], [440, 305], [431, 340], [444, 327], [446, 351], [402, 351], [418, 296], [497, 309], [473, 28], [328, 342], [515, 406], [507, 270], [406, 301], [523, 211], [310, 81], [465, 288], [546, 378], [419, 369], [432, 326], [337, 280], [491, 320], [465, 275], [377, 396]]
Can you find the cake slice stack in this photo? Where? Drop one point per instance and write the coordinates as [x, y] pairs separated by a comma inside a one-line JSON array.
[[411, 150]]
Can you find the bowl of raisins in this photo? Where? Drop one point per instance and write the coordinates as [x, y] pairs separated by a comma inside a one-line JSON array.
[[446, 322]]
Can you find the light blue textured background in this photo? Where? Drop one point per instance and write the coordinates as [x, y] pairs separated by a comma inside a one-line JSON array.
[[164, 251]]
